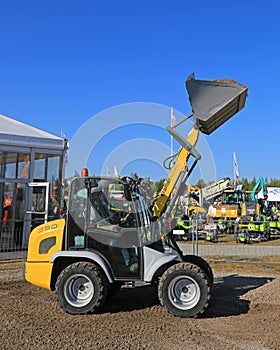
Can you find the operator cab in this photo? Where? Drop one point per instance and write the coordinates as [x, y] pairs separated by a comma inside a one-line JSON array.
[[232, 197], [110, 217]]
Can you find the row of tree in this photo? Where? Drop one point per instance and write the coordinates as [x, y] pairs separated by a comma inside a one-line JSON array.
[[246, 184], [155, 187]]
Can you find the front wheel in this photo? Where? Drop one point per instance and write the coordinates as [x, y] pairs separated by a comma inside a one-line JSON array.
[[81, 288], [184, 290], [203, 264]]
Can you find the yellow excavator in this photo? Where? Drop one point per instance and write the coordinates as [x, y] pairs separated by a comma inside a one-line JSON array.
[[88, 255]]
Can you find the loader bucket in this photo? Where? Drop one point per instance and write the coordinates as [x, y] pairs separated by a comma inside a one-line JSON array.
[[214, 102]]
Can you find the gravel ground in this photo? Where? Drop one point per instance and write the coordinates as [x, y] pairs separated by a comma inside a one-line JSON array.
[[244, 314]]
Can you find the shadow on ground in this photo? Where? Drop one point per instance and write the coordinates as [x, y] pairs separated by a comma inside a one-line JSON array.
[[226, 295], [129, 299], [225, 300]]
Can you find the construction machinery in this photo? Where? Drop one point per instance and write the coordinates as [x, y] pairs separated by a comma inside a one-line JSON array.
[[254, 223], [274, 224], [184, 213], [203, 197], [227, 208], [196, 201], [229, 204], [88, 255], [260, 184], [215, 189]]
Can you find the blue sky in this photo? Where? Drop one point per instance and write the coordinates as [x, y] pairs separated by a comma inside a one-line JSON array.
[[63, 62]]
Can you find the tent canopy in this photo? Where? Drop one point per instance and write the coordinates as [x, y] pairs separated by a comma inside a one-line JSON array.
[[16, 133]]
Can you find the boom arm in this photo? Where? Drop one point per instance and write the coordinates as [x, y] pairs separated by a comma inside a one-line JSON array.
[[262, 185], [178, 170], [213, 103]]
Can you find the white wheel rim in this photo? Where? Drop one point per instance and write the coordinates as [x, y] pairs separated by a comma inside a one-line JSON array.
[[184, 292], [78, 290]]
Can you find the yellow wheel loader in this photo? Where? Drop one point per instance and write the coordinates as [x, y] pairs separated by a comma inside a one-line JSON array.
[[88, 255]]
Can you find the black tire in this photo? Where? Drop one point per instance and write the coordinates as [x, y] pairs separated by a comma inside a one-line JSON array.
[[81, 288], [184, 290], [203, 264]]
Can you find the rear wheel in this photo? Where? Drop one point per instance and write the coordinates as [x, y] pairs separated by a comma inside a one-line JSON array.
[[81, 288], [184, 290]]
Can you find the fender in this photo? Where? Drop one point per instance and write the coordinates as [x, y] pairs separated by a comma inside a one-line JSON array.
[[84, 254], [153, 260]]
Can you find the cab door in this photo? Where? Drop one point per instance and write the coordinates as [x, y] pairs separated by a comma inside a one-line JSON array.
[[38, 203]]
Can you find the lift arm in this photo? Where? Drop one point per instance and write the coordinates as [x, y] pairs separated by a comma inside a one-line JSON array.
[[213, 103], [178, 170]]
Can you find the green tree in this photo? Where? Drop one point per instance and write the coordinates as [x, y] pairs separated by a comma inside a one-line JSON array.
[[273, 182], [201, 183], [245, 184], [266, 180], [159, 185], [253, 183]]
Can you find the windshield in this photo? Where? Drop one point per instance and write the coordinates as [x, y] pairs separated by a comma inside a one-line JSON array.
[[232, 198], [103, 205], [104, 197]]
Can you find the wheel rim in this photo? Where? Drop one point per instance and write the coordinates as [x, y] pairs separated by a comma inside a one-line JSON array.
[[184, 293], [78, 290]]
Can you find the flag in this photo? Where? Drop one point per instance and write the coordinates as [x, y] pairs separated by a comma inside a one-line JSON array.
[[108, 173], [76, 174], [235, 166], [173, 119], [66, 147], [116, 172]]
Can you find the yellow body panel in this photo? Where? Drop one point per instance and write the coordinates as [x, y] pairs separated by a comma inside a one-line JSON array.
[[179, 166], [225, 211], [195, 209], [44, 241], [39, 273]]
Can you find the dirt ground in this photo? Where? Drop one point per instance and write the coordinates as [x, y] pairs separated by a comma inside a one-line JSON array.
[[244, 314]]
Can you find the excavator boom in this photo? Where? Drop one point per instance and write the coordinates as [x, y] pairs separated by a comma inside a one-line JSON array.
[[260, 184]]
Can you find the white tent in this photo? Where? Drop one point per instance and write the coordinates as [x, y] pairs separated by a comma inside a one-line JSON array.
[[15, 133], [27, 155]]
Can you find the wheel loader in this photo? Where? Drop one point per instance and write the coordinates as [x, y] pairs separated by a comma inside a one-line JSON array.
[[105, 242]]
